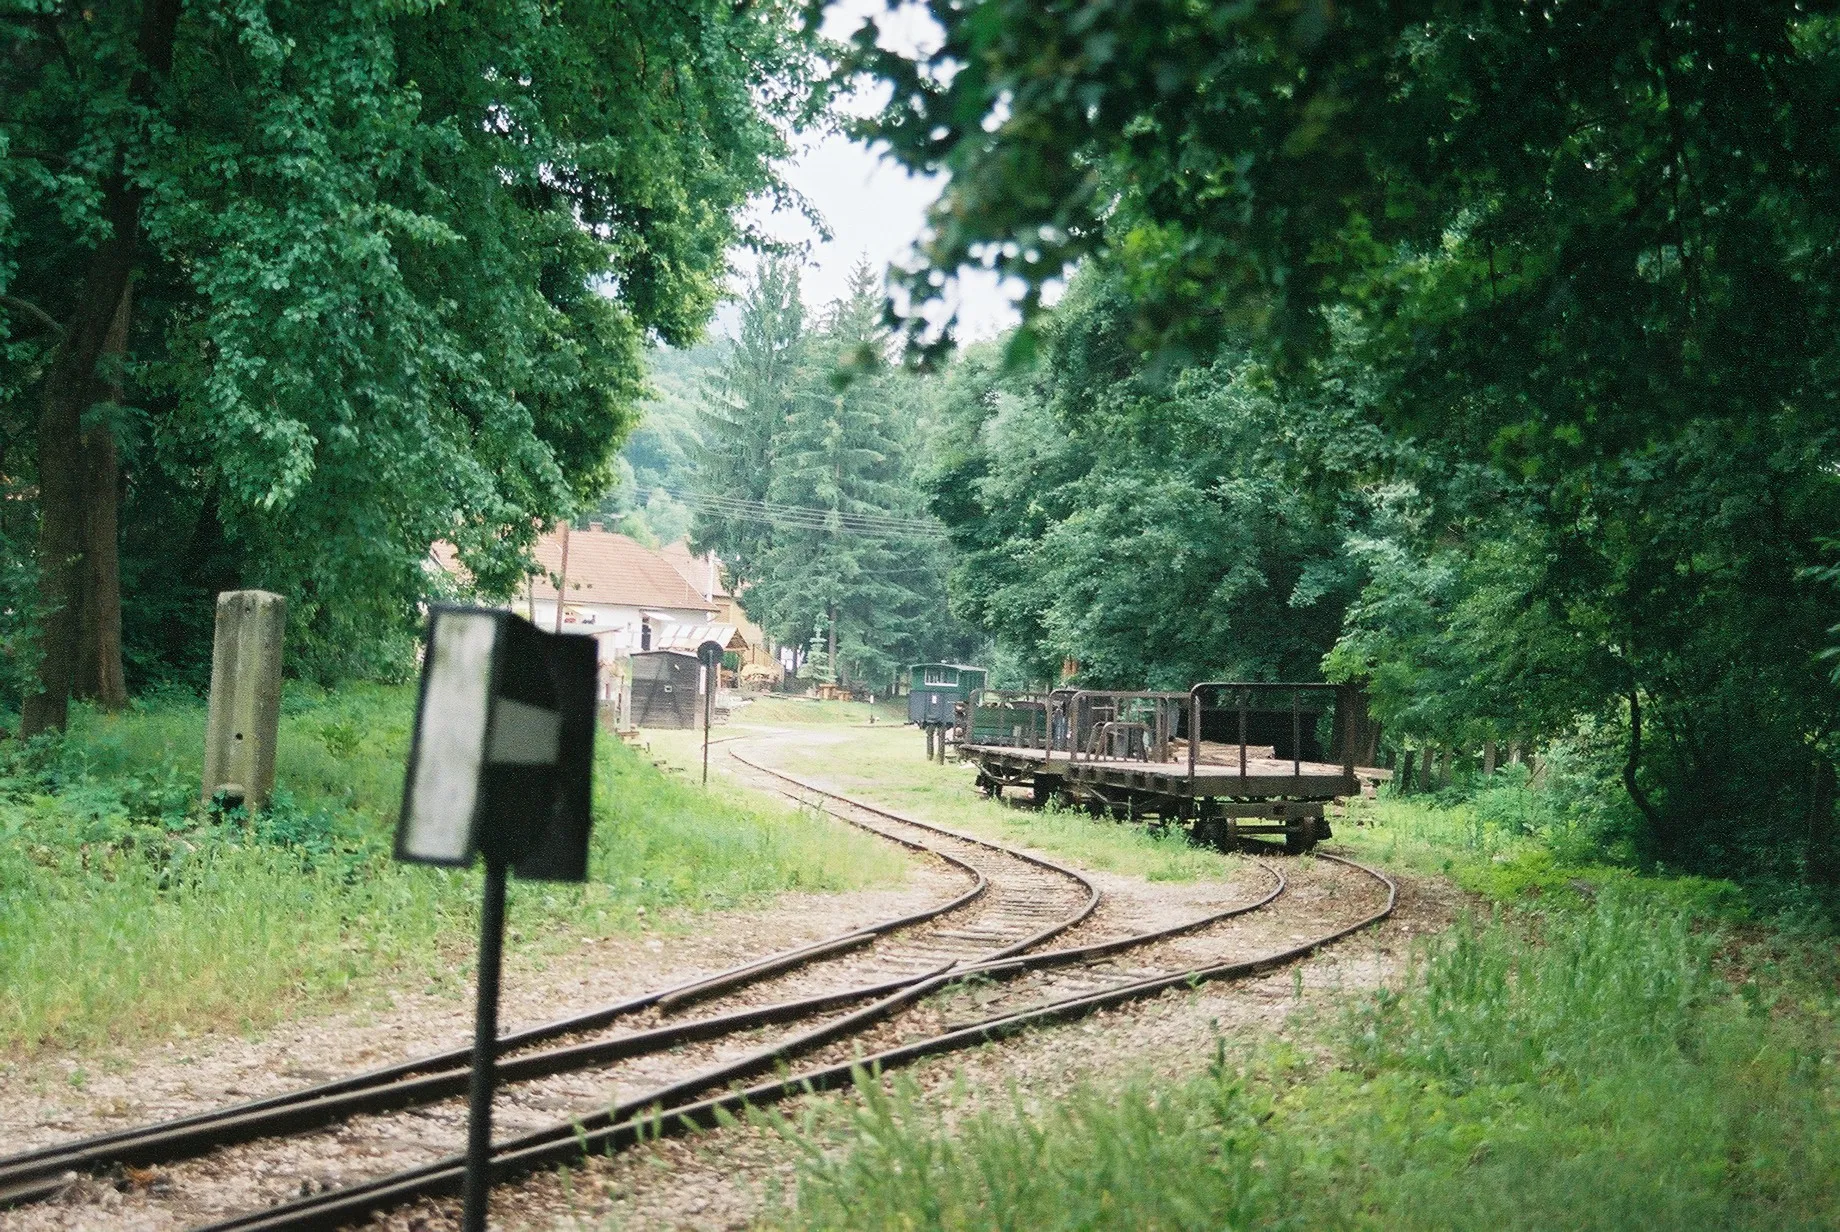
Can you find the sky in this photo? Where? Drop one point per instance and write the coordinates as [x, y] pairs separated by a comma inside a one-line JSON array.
[[872, 206]]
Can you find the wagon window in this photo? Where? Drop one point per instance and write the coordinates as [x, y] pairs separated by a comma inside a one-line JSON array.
[[939, 675]]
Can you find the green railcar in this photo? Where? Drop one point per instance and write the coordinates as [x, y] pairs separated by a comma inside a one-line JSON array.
[[937, 690]]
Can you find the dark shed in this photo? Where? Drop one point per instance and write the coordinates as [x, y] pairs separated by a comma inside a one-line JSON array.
[[936, 690], [665, 689]]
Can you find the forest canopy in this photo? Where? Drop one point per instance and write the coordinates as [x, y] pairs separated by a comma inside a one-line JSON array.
[[290, 290], [1536, 303]]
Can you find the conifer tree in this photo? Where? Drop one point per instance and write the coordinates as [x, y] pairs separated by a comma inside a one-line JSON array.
[[816, 423], [744, 408]]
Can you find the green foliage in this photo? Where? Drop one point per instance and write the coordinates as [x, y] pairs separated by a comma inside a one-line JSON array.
[[658, 464], [1158, 524], [808, 419], [1586, 1069], [1583, 259], [128, 909], [395, 267]]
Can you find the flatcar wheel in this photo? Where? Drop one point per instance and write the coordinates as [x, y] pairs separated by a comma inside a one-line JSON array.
[[1300, 837]]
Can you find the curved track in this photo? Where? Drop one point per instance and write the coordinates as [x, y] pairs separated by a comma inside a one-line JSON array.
[[927, 960], [1015, 901]]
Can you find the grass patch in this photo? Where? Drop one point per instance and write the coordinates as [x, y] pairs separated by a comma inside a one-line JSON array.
[[887, 765], [127, 910], [1580, 1069], [1507, 843], [772, 708]]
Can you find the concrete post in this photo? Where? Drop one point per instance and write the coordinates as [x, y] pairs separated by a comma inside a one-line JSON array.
[[239, 740]]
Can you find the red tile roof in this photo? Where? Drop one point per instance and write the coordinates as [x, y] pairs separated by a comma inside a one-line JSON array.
[[695, 569], [604, 568]]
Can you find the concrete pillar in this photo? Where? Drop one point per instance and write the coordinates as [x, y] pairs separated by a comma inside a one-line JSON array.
[[239, 739]]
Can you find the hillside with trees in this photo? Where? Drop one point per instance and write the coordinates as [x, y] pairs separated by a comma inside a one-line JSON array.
[[808, 483]]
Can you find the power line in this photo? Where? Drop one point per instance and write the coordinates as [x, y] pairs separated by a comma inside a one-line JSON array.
[[873, 524]]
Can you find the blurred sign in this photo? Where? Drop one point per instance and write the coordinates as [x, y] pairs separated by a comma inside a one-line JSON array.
[[501, 765], [503, 751]]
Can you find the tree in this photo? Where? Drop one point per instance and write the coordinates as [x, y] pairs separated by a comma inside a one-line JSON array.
[[745, 408], [1588, 246], [365, 276], [823, 440], [1157, 525]]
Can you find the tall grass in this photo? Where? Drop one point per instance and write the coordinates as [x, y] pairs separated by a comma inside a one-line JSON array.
[[1596, 1073], [1509, 841], [128, 910], [1142, 1156]]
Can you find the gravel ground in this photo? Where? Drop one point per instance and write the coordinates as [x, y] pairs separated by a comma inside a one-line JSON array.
[[57, 1097], [718, 1180], [734, 1177]]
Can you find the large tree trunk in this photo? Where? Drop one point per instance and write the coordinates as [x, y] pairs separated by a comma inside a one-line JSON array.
[[71, 386], [99, 667]]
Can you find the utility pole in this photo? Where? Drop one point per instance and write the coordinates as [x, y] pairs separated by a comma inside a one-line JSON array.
[[562, 582]]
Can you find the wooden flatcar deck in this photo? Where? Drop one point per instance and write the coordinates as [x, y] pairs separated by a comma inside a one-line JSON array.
[[1266, 778]]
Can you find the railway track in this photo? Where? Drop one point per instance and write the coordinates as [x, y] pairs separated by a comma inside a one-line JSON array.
[[918, 959], [1014, 901]]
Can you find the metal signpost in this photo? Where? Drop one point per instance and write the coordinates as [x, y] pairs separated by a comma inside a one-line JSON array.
[[500, 765], [710, 655]]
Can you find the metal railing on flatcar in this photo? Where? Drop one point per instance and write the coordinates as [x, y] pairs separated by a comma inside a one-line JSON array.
[[1258, 720], [1009, 719], [1294, 729]]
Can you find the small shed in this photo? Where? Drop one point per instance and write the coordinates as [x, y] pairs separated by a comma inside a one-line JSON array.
[[935, 691], [666, 689]]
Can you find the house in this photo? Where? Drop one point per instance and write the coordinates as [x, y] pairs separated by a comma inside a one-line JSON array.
[[613, 587], [759, 661]]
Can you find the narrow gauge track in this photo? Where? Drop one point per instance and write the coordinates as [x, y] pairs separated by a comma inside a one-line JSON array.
[[699, 1102], [1015, 901]]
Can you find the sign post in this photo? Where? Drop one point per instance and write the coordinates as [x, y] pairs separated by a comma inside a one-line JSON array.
[[478, 1195], [500, 765], [710, 655]]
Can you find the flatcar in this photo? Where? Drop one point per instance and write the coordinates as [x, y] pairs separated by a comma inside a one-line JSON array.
[[1225, 758]]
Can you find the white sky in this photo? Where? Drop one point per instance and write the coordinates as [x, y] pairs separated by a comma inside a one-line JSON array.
[[873, 208]]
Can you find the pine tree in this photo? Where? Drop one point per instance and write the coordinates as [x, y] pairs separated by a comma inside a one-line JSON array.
[[817, 423], [744, 409]]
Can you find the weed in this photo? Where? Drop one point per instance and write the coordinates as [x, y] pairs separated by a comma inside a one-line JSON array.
[[1587, 1069]]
